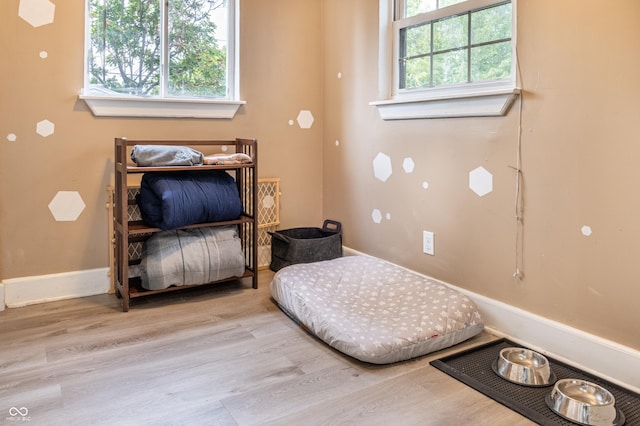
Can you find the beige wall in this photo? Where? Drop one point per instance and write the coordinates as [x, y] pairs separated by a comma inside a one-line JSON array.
[[580, 65], [580, 148], [280, 76]]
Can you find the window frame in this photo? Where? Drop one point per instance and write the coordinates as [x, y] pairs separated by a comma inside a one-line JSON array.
[[172, 107], [475, 99]]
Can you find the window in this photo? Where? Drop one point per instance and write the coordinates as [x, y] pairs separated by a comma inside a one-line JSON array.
[[468, 47], [446, 58], [161, 58]]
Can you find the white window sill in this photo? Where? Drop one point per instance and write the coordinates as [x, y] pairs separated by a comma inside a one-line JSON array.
[[108, 106], [478, 102]]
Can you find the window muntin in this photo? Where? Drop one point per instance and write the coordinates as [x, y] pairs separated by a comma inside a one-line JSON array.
[[160, 49], [439, 49]]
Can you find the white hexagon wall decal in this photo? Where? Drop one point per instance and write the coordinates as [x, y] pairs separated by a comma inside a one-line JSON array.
[[480, 181], [45, 128], [382, 166], [586, 231], [305, 119], [408, 165], [37, 12], [11, 137], [376, 215], [66, 206]]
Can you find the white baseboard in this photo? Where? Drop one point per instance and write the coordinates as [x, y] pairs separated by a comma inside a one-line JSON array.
[[611, 361], [604, 358], [601, 357], [47, 288]]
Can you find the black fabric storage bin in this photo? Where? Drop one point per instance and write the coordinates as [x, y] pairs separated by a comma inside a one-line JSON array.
[[306, 245]]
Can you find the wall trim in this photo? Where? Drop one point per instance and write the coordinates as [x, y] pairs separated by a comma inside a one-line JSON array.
[[47, 288], [604, 358], [489, 104], [109, 106]]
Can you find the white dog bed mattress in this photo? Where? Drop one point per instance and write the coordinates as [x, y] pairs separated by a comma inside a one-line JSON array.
[[373, 310]]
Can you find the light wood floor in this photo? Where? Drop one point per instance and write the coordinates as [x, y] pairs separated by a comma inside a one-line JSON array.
[[221, 355]]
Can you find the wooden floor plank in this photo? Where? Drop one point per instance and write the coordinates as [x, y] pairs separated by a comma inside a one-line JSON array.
[[223, 355]]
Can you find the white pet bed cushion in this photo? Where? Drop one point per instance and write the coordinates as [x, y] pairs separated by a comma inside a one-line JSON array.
[[373, 310]]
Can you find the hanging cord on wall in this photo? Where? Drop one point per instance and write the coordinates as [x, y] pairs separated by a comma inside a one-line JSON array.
[[519, 199]]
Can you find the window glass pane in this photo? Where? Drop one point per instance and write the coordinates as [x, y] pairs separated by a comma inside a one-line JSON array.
[[418, 72], [450, 67], [450, 33], [124, 55], [414, 7], [491, 61], [491, 24], [197, 48], [445, 3], [417, 40]]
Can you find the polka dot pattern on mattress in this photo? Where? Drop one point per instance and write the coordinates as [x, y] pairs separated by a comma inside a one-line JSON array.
[[373, 310]]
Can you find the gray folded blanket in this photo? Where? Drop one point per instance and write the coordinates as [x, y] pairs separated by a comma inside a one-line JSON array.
[[166, 155], [191, 256]]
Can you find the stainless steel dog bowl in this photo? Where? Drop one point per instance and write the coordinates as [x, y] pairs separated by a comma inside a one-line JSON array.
[[585, 403], [524, 367]]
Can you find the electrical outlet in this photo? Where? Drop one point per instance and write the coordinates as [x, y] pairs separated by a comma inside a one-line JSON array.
[[428, 242]]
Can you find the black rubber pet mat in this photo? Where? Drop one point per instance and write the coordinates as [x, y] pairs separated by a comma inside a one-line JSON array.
[[473, 368]]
